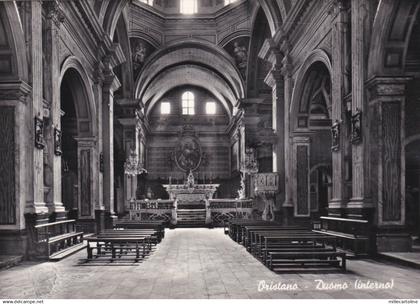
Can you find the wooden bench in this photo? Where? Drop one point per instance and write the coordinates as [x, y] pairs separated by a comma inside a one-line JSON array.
[[353, 235], [55, 239], [122, 244], [238, 227], [267, 240], [249, 232], [302, 258], [131, 224]]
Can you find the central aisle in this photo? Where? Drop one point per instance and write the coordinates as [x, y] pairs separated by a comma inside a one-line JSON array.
[[193, 263]]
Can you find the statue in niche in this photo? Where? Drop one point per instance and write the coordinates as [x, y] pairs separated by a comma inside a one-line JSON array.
[[139, 55]]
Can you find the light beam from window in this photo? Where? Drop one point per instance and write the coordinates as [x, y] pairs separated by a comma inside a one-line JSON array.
[[188, 7]]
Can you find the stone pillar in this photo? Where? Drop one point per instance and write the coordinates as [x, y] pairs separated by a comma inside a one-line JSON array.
[[111, 84], [360, 202], [339, 46], [98, 189], [387, 104], [52, 96], [15, 172], [275, 80], [36, 206], [130, 144], [288, 91]]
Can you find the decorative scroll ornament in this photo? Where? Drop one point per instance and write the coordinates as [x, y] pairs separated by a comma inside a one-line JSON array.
[[356, 127], [133, 166], [39, 133], [335, 135]]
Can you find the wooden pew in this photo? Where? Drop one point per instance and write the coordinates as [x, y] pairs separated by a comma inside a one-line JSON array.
[[128, 242], [247, 231], [131, 224], [311, 258], [57, 239]]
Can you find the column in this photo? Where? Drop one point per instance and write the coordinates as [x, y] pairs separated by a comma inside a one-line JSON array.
[[360, 200], [275, 80], [36, 206], [387, 104], [98, 189], [339, 47], [288, 91], [52, 96], [110, 85], [130, 145]]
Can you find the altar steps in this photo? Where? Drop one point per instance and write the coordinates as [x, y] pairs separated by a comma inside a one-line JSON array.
[[191, 217]]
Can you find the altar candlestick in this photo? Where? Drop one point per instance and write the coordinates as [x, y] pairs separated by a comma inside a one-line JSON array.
[[170, 180]]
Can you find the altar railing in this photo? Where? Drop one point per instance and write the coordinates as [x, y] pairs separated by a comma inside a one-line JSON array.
[[230, 204], [223, 210], [152, 204]]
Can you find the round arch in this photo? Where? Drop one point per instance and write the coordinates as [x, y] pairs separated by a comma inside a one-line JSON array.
[[18, 45], [189, 75], [191, 51], [84, 100], [389, 44], [316, 56]]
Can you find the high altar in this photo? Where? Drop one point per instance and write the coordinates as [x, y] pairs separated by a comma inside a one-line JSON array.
[[191, 204], [191, 197]]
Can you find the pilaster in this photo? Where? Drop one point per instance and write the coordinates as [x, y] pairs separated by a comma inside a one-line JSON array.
[[36, 203], [110, 85], [360, 159], [386, 103], [340, 17], [52, 174]]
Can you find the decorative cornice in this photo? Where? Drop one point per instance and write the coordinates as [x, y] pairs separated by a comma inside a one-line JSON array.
[[387, 86], [15, 91]]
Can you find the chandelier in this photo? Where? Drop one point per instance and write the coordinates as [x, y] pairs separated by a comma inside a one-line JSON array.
[[133, 165]]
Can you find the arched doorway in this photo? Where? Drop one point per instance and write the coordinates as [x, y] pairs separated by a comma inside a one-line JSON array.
[[78, 146], [312, 143]]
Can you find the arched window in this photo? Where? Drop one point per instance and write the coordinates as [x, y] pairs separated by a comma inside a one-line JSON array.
[[188, 6], [188, 103], [165, 108], [229, 1], [210, 108], [150, 2]]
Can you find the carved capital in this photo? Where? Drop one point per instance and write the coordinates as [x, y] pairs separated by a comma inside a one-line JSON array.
[[337, 7], [54, 12], [383, 87], [98, 74], [273, 77]]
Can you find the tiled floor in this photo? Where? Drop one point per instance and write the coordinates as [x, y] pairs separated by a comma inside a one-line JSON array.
[[196, 263]]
